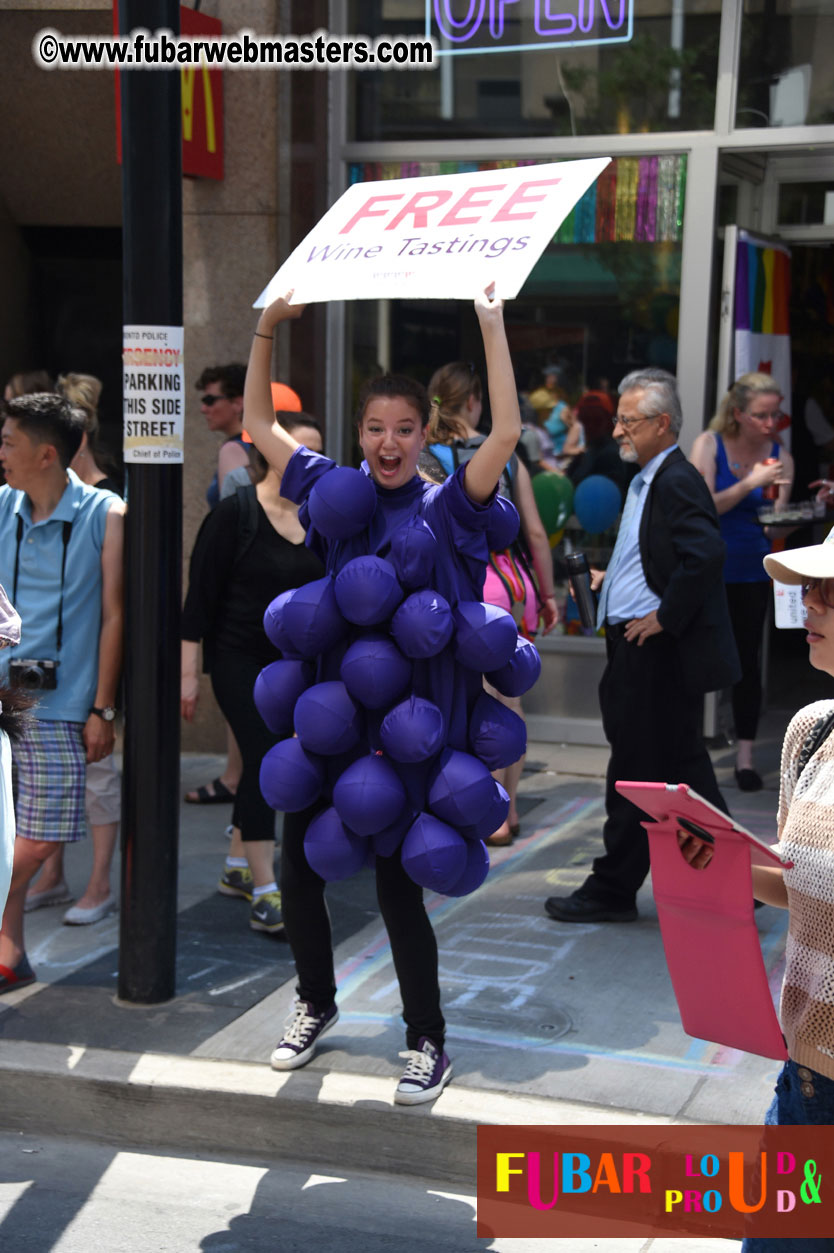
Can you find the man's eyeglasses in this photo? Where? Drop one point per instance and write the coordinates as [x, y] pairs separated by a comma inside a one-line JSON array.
[[628, 423], [824, 588], [208, 401]]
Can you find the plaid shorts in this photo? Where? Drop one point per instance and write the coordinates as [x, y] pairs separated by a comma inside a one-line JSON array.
[[50, 770]]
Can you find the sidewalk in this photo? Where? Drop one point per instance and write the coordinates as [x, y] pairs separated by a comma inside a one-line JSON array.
[[547, 1022]]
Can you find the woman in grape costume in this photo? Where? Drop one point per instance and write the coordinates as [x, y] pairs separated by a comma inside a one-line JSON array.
[[394, 735]]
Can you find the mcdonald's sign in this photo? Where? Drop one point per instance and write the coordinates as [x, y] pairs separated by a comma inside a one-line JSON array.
[[202, 103]]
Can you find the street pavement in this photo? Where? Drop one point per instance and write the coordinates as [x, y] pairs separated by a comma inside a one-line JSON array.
[[547, 1022]]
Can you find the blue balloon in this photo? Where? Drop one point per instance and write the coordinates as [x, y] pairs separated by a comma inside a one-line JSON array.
[[433, 854], [367, 590], [475, 871], [331, 849], [291, 778], [374, 670], [342, 503], [277, 688], [369, 796], [414, 730], [413, 553], [596, 503], [327, 719]]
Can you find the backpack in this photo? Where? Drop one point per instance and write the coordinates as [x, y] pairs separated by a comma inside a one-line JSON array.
[[247, 519], [512, 567], [817, 736]]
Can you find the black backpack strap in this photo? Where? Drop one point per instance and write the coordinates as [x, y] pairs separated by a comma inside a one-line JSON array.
[[816, 736], [247, 521]]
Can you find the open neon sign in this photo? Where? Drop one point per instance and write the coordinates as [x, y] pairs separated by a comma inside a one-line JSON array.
[[474, 27]]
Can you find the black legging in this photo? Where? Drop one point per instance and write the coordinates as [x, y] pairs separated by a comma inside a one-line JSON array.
[[748, 604], [233, 676], [413, 945]]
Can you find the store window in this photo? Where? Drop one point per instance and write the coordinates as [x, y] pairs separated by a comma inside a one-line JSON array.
[[633, 71], [786, 73], [602, 300]]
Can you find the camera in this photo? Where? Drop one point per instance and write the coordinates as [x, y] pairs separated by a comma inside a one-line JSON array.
[[34, 674]]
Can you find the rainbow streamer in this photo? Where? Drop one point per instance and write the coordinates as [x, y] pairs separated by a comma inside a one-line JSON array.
[[634, 199]]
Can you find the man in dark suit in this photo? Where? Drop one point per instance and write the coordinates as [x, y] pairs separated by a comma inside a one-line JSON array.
[[668, 638]]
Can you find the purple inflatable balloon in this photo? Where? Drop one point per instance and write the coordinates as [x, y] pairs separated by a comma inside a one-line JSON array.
[[331, 850], [460, 788], [414, 730], [414, 553], [277, 688], [433, 854], [485, 636], [474, 872], [291, 779], [342, 503], [274, 627], [423, 625], [374, 671], [386, 842], [520, 672], [312, 620], [369, 797], [367, 590], [502, 524], [491, 819], [327, 719], [496, 734]]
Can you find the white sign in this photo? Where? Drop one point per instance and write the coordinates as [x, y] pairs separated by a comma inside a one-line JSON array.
[[788, 610], [442, 236], [154, 412]]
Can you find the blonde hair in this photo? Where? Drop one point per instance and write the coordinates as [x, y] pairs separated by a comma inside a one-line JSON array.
[[449, 389], [739, 397], [84, 392]]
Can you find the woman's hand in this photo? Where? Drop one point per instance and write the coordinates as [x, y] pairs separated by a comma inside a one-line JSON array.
[[697, 852], [549, 614], [281, 310], [488, 306], [826, 491], [189, 695], [763, 475]]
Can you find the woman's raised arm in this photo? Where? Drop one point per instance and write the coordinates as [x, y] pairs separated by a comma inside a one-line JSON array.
[[270, 439], [484, 469]]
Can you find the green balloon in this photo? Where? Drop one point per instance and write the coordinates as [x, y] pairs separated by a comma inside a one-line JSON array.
[[554, 500]]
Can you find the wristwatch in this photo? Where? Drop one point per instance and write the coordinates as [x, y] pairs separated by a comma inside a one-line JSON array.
[[108, 713]]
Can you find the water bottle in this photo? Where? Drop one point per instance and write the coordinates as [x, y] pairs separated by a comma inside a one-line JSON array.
[[579, 573]]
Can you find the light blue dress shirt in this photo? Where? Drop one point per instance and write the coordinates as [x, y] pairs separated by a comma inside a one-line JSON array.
[[39, 591], [625, 592]]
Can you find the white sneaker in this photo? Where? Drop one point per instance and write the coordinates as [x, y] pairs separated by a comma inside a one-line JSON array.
[[302, 1032], [426, 1075]]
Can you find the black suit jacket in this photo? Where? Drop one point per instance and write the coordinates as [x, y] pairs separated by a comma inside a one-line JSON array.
[[683, 558]]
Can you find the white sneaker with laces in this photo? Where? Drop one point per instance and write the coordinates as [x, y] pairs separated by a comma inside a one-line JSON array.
[[425, 1076], [302, 1032]]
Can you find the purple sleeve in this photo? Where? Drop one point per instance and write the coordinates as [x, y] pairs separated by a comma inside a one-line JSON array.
[[468, 520], [303, 471]]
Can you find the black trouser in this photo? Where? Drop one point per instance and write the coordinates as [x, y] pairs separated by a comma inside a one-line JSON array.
[[233, 676], [307, 926], [653, 725], [748, 604]]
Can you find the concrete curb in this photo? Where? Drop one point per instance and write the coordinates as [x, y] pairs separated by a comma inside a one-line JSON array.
[[152, 1100]]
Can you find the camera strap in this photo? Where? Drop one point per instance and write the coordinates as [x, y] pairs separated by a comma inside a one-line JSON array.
[[67, 532]]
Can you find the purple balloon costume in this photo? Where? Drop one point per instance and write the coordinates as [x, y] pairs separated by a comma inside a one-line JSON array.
[[396, 738]]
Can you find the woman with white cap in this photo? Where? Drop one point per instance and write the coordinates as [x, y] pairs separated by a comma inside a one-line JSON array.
[[805, 1087]]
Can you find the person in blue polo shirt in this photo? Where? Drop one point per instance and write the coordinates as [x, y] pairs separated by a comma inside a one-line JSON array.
[[61, 556]]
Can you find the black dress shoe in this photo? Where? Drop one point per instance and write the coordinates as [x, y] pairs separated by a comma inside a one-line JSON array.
[[579, 908], [748, 780]]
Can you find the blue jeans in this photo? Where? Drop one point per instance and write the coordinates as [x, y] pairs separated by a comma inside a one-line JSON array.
[[792, 1107]]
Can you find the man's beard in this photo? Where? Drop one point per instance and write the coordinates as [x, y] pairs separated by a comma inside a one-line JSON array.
[[627, 453]]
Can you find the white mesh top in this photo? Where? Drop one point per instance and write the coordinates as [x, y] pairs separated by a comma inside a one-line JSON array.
[[806, 835]]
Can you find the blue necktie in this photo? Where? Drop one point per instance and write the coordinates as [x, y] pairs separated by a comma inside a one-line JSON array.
[[634, 490]]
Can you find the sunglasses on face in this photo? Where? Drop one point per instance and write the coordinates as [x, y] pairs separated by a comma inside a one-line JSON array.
[[208, 401], [824, 588]]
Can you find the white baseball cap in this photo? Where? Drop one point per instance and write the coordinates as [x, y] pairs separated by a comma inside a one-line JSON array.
[[800, 565]]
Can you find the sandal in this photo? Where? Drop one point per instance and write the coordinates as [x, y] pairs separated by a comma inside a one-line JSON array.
[[17, 978], [219, 795]]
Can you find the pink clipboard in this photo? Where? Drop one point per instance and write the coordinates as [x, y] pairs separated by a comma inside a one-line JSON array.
[[706, 919]]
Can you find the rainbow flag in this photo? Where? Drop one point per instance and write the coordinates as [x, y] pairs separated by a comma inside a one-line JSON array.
[[762, 319]]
